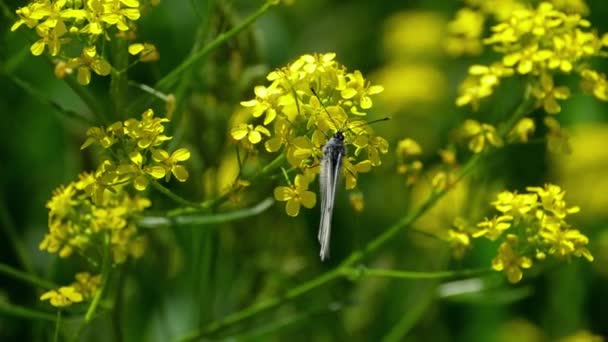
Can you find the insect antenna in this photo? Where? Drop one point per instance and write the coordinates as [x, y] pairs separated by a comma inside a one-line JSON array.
[[326, 111]]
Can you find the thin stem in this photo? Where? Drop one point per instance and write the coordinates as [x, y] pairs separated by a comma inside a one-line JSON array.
[[175, 197], [15, 241], [27, 313], [174, 75], [410, 317], [264, 305], [26, 277], [57, 326], [117, 307], [37, 94], [356, 272], [105, 275], [189, 220]]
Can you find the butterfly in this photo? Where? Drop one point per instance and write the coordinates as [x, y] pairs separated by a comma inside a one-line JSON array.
[[334, 152]]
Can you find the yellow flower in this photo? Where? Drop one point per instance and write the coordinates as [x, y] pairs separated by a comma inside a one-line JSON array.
[[253, 134], [464, 33], [493, 228], [480, 83], [509, 261], [170, 163], [82, 289], [480, 135], [62, 297], [89, 60], [459, 237], [523, 129], [296, 195], [552, 199], [147, 52], [566, 242], [515, 205], [547, 94]]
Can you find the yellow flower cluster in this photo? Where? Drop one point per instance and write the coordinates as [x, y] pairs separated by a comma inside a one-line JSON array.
[[465, 31], [288, 117], [77, 224], [532, 226], [82, 25], [539, 43], [81, 290], [134, 155]]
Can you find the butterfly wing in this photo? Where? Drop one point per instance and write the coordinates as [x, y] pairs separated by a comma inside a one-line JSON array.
[[328, 178]]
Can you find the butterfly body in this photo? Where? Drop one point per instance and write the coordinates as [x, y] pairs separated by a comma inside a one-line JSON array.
[[334, 152]]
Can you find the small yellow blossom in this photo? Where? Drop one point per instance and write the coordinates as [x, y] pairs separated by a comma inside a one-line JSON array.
[[253, 134], [547, 94], [459, 237], [87, 61], [170, 163], [296, 195], [509, 261], [464, 33], [147, 52], [480, 135], [493, 228], [515, 205], [82, 289], [523, 129]]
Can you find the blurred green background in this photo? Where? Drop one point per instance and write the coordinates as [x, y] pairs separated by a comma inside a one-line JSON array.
[[195, 275]]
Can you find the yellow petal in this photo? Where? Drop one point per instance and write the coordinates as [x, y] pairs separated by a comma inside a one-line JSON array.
[[37, 48], [348, 93], [180, 172], [239, 132], [308, 199], [181, 154], [160, 155], [156, 171], [101, 67], [136, 48], [283, 193], [254, 137], [140, 183], [273, 144], [292, 208], [84, 75]]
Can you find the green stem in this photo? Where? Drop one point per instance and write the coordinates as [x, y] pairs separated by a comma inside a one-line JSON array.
[[174, 75], [35, 93], [410, 317], [15, 241], [21, 312], [105, 275], [264, 305], [356, 272], [26, 277], [175, 197], [189, 220], [119, 82], [57, 327]]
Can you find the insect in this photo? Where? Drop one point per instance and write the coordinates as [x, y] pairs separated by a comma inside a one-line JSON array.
[[334, 152]]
